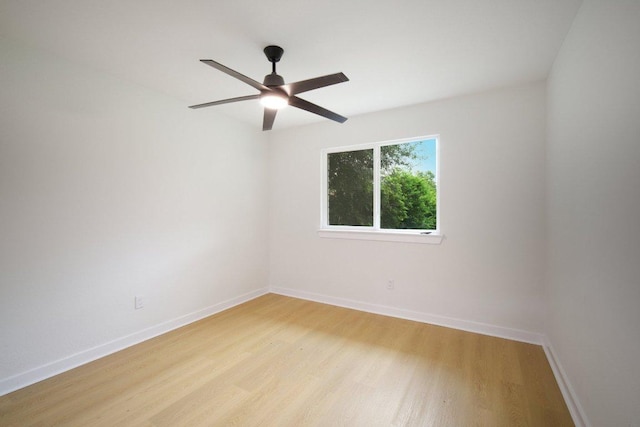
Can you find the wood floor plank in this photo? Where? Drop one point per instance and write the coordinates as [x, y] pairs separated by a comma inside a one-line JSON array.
[[279, 361]]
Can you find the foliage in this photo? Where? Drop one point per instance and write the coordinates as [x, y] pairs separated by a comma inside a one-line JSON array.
[[408, 200], [350, 179], [397, 156]]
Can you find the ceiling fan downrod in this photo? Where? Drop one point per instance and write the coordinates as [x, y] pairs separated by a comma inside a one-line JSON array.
[[273, 53]]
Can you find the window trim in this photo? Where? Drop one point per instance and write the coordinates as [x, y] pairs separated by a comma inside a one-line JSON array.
[[375, 232]]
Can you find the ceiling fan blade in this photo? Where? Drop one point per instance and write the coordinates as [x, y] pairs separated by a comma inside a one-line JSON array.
[[316, 109], [226, 101], [269, 117], [235, 74], [315, 83]]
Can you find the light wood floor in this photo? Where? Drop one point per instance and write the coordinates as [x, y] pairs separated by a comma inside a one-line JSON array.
[[278, 361]]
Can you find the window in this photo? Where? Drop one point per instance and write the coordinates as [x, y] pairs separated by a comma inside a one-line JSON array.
[[383, 189]]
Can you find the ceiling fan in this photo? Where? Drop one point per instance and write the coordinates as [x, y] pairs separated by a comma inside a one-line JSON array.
[[275, 94]]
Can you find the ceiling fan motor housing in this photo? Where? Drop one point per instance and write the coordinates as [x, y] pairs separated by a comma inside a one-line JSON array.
[[273, 79]]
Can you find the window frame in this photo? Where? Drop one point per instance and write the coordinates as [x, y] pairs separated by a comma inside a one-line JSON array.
[[375, 232]]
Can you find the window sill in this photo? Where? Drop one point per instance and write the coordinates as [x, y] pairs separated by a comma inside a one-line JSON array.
[[383, 236]]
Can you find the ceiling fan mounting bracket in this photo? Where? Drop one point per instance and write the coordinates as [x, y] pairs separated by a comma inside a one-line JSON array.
[[273, 53]]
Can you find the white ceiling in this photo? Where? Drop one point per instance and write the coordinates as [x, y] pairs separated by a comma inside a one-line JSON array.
[[395, 53]]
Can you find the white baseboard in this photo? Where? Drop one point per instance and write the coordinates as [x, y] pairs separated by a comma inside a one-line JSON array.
[[434, 319], [577, 412], [35, 375]]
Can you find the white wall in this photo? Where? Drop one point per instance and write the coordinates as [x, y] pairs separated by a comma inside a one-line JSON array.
[[489, 268], [109, 190], [594, 210]]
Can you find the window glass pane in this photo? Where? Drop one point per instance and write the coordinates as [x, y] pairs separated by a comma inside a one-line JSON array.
[[350, 188], [408, 185]]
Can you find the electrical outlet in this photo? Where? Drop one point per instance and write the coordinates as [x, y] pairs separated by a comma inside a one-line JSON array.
[[391, 284], [139, 302]]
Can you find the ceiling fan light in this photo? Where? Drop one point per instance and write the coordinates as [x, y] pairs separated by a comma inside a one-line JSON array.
[[274, 102]]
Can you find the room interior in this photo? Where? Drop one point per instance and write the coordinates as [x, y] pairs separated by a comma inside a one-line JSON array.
[[112, 189]]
